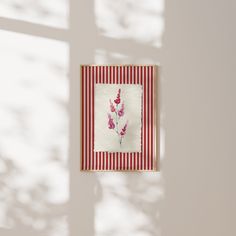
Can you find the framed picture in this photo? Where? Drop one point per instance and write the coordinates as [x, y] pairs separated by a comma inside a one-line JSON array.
[[119, 118]]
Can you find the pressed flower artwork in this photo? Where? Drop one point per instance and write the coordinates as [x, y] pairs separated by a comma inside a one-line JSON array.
[[118, 112], [118, 118]]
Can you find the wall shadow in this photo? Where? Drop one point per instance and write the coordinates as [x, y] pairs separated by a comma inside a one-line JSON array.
[[27, 211], [199, 93], [89, 191], [104, 203], [34, 189]]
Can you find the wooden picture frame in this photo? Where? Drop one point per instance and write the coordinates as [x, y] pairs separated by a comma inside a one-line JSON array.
[[119, 118]]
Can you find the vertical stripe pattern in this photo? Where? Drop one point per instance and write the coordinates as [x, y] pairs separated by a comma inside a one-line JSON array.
[[118, 161]]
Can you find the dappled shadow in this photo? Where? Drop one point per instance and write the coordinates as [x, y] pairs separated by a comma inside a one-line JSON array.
[[27, 211], [34, 178], [51, 13], [99, 204], [134, 20], [130, 204], [132, 35]]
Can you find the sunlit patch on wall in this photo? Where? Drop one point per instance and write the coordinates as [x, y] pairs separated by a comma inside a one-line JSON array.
[[129, 205], [33, 134], [103, 56], [138, 20], [51, 13]]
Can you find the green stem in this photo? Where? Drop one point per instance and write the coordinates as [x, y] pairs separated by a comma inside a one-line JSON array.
[[120, 140], [117, 130], [116, 119]]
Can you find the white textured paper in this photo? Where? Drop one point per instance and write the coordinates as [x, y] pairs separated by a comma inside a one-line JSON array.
[[106, 139]]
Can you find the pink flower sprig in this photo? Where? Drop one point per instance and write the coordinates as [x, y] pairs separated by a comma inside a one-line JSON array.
[[112, 107], [121, 111], [117, 100], [123, 132], [118, 111], [111, 124]]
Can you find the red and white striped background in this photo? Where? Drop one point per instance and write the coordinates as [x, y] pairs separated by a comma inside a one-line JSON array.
[[118, 161]]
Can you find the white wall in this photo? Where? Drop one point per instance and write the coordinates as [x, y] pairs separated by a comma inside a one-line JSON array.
[[199, 105], [194, 193]]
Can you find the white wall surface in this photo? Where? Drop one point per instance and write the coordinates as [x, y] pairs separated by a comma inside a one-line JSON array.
[[195, 191], [199, 106]]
